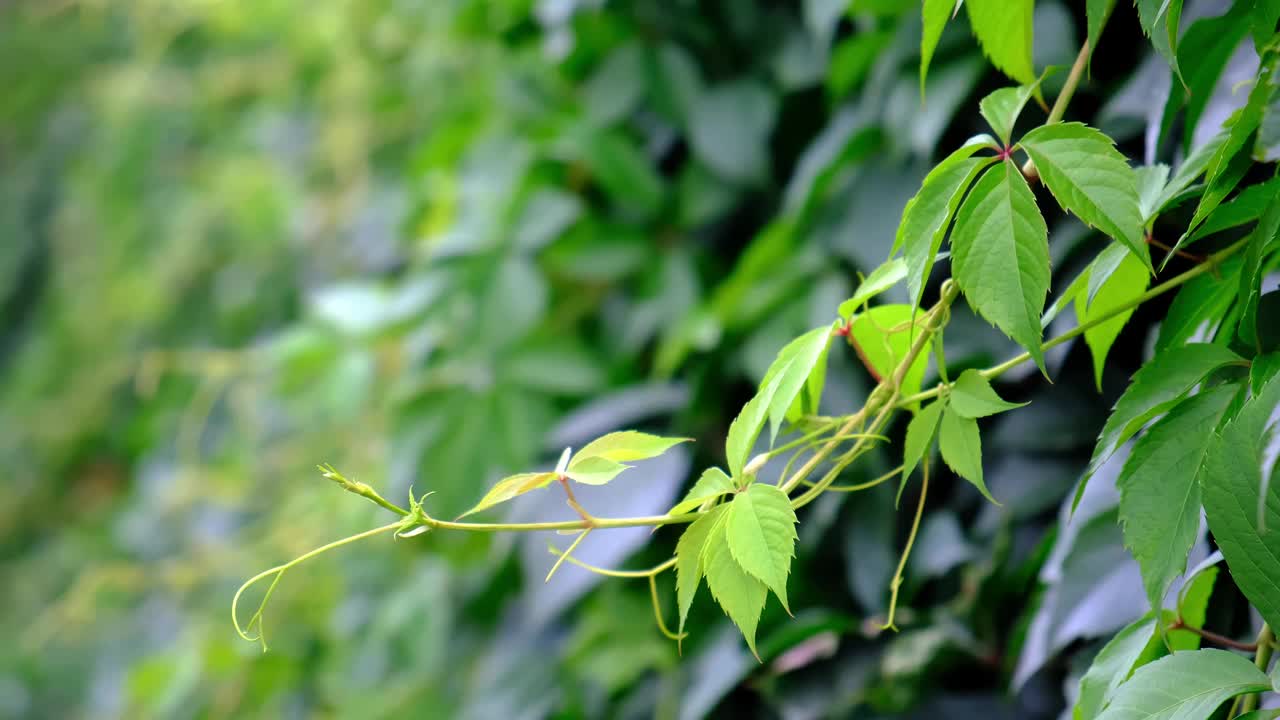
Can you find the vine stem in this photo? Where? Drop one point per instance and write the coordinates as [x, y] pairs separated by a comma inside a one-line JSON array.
[[906, 551], [1060, 104], [1261, 658], [1177, 281]]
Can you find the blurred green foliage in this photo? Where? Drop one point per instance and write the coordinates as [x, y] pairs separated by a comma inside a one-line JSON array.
[[436, 241]]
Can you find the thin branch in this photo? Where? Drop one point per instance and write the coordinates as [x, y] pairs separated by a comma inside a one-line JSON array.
[[1214, 637]]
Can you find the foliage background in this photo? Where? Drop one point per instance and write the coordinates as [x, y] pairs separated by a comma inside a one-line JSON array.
[[434, 242]]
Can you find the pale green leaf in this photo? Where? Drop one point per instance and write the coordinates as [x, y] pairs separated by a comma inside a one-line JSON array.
[[745, 428], [928, 214], [1002, 107], [1004, 29], [880, 279], [920, 434], [1159, 489], [1185, 686], [739, 594], [1090, 178], [594, 470], [689, 560], [973, 397], [883, 337], [798, 370], [1160, 19], [1128, 280], [1111, 667], [961, 447], [625, 446], [761, 529], [1151, 180], [510, 487], [1246, 522], [711, 484], [1155, 388], [1000, 255]]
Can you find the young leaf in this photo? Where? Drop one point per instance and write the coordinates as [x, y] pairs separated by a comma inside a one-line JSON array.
[[761, 529], [883, 337], [1159, 490], [1086, 174], [973, 397], [741, 595], [1004, 29], [745, 428], [1127, 281], [798, 371], [1000, 255], [711, 484], [961, 447], [689, 550], [920, 433], [625, 446], [880, 279], [594, 470], [1112, 666], [1243, 514], [1002, 107], [1185, 686], [510, 487], [1155, 388], [927, 215]]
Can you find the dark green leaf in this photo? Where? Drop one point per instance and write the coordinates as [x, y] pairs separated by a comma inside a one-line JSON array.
[[1160, 492], [1002, 107], [1004, 29], [920, 434], [1185, 686], [1255, 255], [1111, 667]]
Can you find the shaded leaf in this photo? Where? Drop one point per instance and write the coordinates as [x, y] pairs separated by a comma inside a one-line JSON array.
[[883, 336], [920, 434], [1160, 491], [1122, 286], [1111, 667], [880, 279], [799, 371], [1185, 686]]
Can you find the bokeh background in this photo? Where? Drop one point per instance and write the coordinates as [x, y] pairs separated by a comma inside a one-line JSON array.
[[436, 241]]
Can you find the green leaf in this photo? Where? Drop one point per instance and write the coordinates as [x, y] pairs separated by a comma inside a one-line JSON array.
[[1185, 686], [1124, 284], [1246, 522], [1151, 181], [880, 279], [961, 447], [973, 397], [936, 14], [1160, 19], [625, 446], [1253, 269], [883, 337], [1155, 388], [594, 470], [1199, 306], [729, 129], [1190, 169], [624, 171], [1096, 14], [761, 529], [711, 484], [741, 595], [799, 370], [1216, 191], [1002, 107], [1203, 54], [1193, 605], [689, 552], [928, 214], [1112, 666], [1090, 178], [1247, 206], [1243, 122], [510, 487], [1160, 492], [746, 427], [920, 434], [1000, 255], [1004, 29]]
